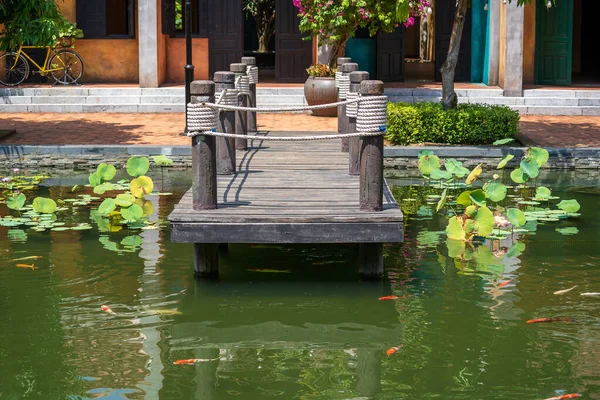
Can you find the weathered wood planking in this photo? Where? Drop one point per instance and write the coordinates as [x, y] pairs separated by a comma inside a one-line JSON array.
[[288, 192]]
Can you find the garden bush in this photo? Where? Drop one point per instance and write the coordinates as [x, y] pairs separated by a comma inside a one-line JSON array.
[[469, 124]]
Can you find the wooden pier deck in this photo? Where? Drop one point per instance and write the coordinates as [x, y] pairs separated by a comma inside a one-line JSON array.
[[288, 192]]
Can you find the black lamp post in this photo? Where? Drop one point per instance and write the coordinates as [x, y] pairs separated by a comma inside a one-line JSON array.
[[189, 67]]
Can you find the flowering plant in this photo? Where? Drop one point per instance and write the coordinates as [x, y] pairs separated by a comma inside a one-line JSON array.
[[336, 21], [321, 70]]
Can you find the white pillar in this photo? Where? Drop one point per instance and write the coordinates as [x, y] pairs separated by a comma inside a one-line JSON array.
[[493, 42], [513, 58], [148, 43]]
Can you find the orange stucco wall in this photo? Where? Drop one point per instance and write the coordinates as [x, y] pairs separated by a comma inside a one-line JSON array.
[[175, 59], [529, 44], [162, 47], [105, 60], [502, 56]]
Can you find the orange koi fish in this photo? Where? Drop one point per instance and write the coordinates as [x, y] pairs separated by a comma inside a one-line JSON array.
[[539, 320], [565, 396], [192, 361], [32, 267], [388, 298], [393, 350], [107, 309], [505, 283]]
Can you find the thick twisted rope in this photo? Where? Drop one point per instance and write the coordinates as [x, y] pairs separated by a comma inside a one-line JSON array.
[[337, 79], [242, 84], [371, 115], [351, 108], [381, 131], [252, 72], [343, 85]]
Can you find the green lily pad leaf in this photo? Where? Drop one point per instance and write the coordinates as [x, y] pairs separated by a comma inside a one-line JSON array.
[[485, 221], [442, 201], [531, 168], [94, 179], [124, 200], [474, 174], [451, 165], [106, 172], [132, 241], [107, 206], [519, 176], [137, 166], [574, 215], [543, 193], [103, 187], [503, 141], [570, 230], [528, 202], [505, 161], [470, 226], [16, 202], [461, 172], [132, 213], [81, 227], [539, 155], [454, 229], [516, 217], [569, 206], [428, 163], [162, 161], [141, 186], [425, 153], [60, 228], [455, 248], [516, 250], [478, 197], [438, 174], [495, 192], [549, 219], [44, 205], [464, 199], [471, 211]]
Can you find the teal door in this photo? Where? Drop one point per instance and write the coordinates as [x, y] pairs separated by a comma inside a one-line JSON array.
[[554, 43]]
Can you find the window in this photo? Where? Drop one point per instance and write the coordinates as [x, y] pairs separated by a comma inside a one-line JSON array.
[[173, 17], [110, 19]]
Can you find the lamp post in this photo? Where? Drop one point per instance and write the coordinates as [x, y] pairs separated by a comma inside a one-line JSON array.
[[189, 67]]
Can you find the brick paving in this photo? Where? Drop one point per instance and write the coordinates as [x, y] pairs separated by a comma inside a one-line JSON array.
[[164, 129]]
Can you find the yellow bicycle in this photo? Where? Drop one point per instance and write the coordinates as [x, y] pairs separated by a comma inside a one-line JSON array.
[[65, 66]]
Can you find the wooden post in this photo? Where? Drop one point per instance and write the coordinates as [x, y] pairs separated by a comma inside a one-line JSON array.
[[339, 62], [371, 159], [356, 77], [204, 158], [225, 146], [206, 260], [252, 121], [370, 258], [241, 117], [346, 68]]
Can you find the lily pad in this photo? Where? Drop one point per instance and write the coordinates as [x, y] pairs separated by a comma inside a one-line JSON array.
[[495, 192], [107, 206], [455, 229], [569, 206], [485, 221], [539, 155], [16, 202], [531, 168], [442, 201], [478, 197], [543, 193], [44, 205], [503, 141], [570, 230], [124, 200], [438, 174], [132, 213], [464, 199], [106, 171], [516, 250], [141, 186], [516, 217], [94, 179], [474, 174], [137, 166], [505, 161], [162, 161], [519, 176]]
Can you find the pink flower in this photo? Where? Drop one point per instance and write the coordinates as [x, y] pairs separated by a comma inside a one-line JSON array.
[[409, 22], [501, 221]]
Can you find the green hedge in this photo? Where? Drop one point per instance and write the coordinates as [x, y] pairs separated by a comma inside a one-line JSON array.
[[469, 124]]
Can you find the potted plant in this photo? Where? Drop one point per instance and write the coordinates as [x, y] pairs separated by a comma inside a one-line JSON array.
[[320, 88]]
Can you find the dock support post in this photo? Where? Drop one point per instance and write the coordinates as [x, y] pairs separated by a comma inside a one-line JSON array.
[[371, 158], [204, 154], [241, 117], [356, 77], [206, 260], [225, 146], [343, 124], [252, 124], [341, 110], [370, 257]]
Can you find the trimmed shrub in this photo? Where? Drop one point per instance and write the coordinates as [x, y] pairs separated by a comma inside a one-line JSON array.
[[469, 124]]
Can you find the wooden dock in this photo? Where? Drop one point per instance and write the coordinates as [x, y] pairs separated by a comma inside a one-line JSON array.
[[288, 192]]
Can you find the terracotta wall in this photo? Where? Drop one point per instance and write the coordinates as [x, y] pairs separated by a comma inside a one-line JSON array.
[[175, 59], [105, 60], [162, 46], [529, 44]]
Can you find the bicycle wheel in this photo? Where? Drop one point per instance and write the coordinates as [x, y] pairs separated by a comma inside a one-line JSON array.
[[13, 70], [70, 66]]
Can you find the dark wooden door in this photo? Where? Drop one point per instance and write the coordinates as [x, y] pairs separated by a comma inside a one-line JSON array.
[[226, 34], [292, 54], [390, 56], [554, 43], [444, 19]]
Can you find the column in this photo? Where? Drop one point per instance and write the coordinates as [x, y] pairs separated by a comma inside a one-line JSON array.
[[148, 43], [513, 57]]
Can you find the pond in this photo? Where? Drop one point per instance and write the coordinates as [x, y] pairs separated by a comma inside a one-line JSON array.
[[293, 322]]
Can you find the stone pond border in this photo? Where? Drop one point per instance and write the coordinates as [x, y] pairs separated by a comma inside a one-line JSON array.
[[396, 157]]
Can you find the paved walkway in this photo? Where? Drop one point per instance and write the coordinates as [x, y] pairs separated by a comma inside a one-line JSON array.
[[164, 129]]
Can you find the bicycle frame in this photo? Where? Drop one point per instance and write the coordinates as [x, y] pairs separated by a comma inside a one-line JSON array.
[[41, 69]]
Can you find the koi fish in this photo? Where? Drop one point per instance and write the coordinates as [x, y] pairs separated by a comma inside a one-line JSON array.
[[393, 350], [559, 292], [505, 283], [192, 361], [565, 396], [275, 271], [539, 320], [107, 309], [164, 312], [26, 266], [388, 298], [26, 258], [591, 294]]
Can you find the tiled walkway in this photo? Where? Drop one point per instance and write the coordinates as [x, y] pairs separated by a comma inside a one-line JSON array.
[[164, 129]]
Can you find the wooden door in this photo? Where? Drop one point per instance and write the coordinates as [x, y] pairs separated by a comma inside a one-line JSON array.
[[444, 19], [554, 43], [292, 54], [226, 34], [390, 56]]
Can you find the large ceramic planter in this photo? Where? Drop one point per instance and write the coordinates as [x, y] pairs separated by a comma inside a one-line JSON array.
[[319, 90]]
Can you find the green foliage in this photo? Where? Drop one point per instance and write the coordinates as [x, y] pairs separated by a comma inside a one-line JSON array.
[[16, 202], [474, 124], [569, 206], [162, 161], [137, 166], [321, 70], [44, 205]]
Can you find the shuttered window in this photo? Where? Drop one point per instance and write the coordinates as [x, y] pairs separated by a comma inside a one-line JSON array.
[[174, 22], [110, 19]]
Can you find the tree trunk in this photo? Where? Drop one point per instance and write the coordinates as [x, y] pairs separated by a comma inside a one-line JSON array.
[[338, 49], [263, 42], [449, 98]]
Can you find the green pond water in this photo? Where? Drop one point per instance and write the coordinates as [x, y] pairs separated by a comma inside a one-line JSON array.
[[312, 331]]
